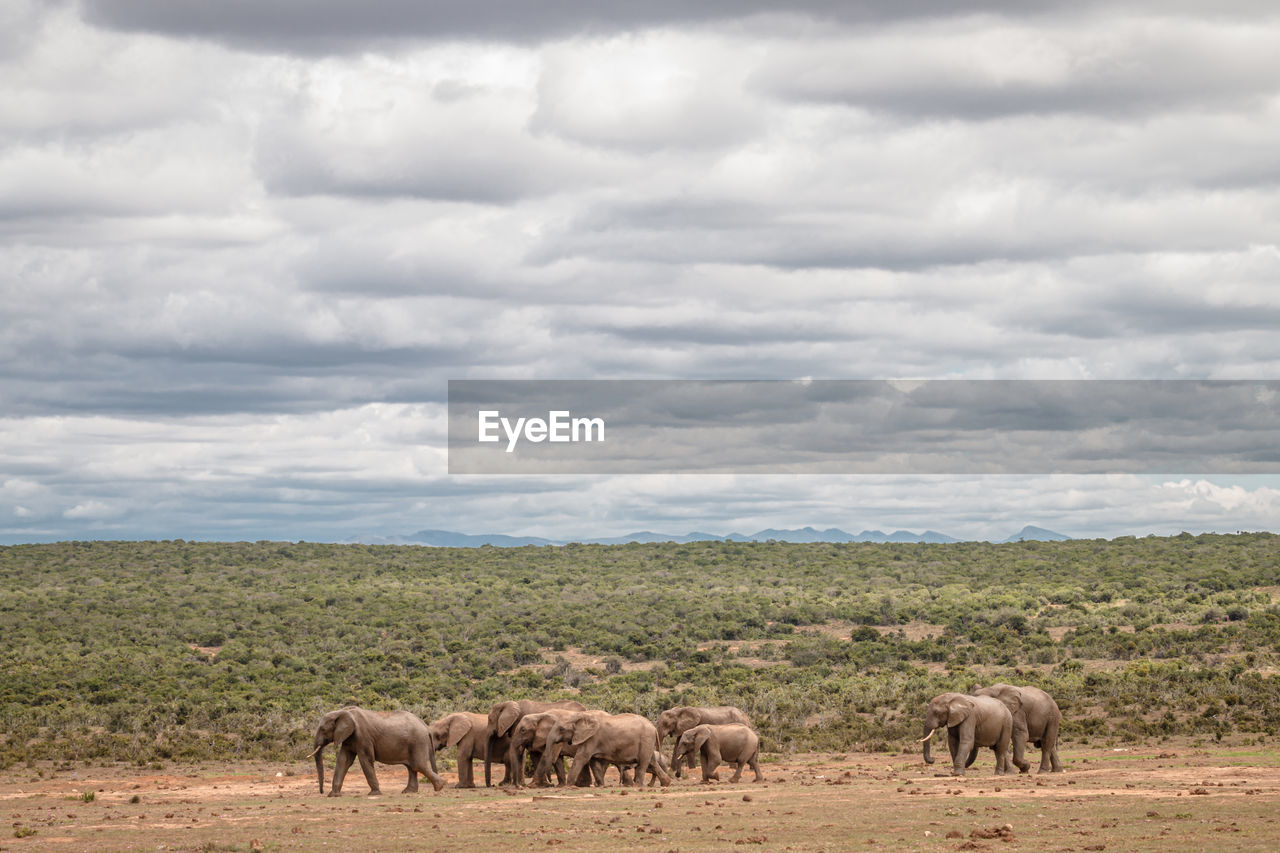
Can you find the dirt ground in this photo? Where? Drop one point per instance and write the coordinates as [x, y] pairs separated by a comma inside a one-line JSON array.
[[1141, 798]]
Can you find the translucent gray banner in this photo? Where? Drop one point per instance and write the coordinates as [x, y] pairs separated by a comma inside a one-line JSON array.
[[863, 426]]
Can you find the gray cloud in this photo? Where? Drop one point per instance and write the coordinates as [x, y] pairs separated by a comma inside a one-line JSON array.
[[267, 216], [331, 25]]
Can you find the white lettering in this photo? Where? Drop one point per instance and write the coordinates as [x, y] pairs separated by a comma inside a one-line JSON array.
[[559, 423], [487, 423], [560, 426], [588, 424], [513, 435]]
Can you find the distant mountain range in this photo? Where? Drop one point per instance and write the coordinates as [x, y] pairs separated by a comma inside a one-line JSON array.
[[451, 539]]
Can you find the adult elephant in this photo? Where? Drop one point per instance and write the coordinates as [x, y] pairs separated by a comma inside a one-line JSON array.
[[469, 733], [620, 739], [391, 737], [502, 717], [971, 722], [1036, 720], [733, 744], [676, 721], [530, 736]]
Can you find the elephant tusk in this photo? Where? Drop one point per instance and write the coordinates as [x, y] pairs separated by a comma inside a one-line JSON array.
[[317, 749], [926, 737]]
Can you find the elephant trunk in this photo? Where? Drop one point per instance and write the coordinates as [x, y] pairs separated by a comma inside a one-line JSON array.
[[319, 755], [926, 740], [547, 763], [488, 758]]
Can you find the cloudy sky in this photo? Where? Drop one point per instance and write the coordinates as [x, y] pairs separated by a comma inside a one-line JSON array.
[[245, 244]]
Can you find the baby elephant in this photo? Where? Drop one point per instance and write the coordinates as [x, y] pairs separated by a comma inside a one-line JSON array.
[[733, 744]]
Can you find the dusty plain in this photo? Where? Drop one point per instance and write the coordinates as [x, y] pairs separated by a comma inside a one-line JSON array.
[[1188, 796]]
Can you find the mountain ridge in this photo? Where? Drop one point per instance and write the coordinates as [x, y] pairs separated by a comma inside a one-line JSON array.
[[436, 538]]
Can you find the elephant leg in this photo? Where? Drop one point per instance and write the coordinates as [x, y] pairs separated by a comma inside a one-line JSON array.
[[1001, 748], [737, 772], [953, 745], [754, 761], [581, 773], [345, 757], [1049, 750], [643, 757], [366, 764], [710, 761], [466, 776], [419, 763], [965, 753], [652, 759]]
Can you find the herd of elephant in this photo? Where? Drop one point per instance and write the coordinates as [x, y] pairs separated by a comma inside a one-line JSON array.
[[547, 732], [1003, 717]]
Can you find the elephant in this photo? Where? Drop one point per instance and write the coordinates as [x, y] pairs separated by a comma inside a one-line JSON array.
[[971, 722], [469, 733], [620, 739], [530, 735], [734, 743], [1036, 719], [502, 717], [391, 737], [599, 767], [676, 721]]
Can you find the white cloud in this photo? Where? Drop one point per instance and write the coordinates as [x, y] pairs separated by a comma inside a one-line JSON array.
[[92, 511], [987, 65], [647, 91]]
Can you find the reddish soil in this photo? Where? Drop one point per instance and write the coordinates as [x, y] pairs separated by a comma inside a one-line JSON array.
[[1120, 799]]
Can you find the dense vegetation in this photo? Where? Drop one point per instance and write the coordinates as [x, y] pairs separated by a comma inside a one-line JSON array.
[[146, 651]]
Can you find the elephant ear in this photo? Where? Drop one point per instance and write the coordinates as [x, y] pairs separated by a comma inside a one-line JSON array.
[[700, 740], [1012, 698], [507, 718], [584, 728], [687, 718], [344, 727], [958, 710], [458, 728]]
